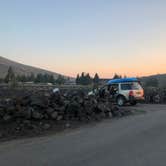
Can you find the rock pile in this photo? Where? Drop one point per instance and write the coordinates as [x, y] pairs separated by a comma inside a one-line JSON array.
[[37, 112], [56, 106], [155, 95]]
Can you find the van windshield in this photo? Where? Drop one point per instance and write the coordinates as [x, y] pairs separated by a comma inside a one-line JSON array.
[[131, 86]]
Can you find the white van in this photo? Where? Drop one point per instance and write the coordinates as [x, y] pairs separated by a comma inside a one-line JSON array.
[[126, 90]]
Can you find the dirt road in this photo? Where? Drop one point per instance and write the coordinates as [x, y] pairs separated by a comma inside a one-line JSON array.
[[130, 141], [149, 107]]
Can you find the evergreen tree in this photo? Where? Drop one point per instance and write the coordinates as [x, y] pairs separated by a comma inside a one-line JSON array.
[[23, 78], [87, 79], [10, 77], [96, 79], [18, 78], [60, 80], [32, 77], [116, 76], [78, 79], [84, 79], [45, 78], [51, 79], [39, 78]]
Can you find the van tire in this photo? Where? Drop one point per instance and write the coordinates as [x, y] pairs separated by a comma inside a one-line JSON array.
[[120, 101]]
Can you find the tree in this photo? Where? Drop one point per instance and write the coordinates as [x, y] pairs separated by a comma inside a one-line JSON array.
[[51, 79], [32, 77], [87, 79], [125, 76], [23, 78], [96, 79], [39, 78], [84, 79], [46, 78], [10, 77], [78, 79], [60, 80], [116, 76]]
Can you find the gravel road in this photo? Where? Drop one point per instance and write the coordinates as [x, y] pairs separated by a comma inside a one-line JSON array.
[[130, 141]]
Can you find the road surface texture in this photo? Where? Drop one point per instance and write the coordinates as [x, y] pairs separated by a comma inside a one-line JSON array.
[[131, 141]]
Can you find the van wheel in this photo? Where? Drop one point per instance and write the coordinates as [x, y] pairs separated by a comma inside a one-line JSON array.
[[120, 101]]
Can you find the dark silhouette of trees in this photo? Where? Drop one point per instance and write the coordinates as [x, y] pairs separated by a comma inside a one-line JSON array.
[[78, 79], [22, 78], [51, 79], [84, 79], [96, 79], [10, 77], [39, 78], [87, 79], [31, 77], [60, 80], [116, 76]]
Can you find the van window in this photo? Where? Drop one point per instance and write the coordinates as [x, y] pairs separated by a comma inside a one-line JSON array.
[[136, 86], [131, 86], [126, 86]]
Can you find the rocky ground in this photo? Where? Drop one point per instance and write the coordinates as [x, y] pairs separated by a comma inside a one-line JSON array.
[[34, 113]]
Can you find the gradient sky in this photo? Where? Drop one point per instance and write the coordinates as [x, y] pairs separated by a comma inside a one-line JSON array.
[[71, 36]]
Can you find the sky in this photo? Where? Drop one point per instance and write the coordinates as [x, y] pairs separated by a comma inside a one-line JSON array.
[[127, 37]]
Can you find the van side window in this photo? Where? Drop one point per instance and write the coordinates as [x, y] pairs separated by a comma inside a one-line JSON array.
[[126, 86]]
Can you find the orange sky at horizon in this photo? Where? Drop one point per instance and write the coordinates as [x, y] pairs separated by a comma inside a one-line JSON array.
[[138, 65]]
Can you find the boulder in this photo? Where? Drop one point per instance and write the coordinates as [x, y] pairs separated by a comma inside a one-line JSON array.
[[7, 118], [60, 117], [54, 115], [67, 125], [49, 110], [46, 126], [37, 115]]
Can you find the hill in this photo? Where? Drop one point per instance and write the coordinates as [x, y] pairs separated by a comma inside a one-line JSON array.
[[20, 69], [160, 77]]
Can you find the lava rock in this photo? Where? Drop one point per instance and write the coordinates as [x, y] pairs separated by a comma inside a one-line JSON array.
[[60, 117], [7, 118], [37, 115], [54, 115], [46, 126], [49, 111]]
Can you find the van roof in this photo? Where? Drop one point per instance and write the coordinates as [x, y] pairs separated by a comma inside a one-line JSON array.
[[121, 80]]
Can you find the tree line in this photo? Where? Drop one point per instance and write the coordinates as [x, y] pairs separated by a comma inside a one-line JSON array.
[[39, 78], [86, 79], [81, 79]]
